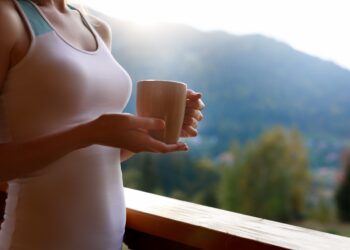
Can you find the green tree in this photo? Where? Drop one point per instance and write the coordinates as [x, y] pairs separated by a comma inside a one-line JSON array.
[[269, 178], [143, 173], [343, 197], [175, 175]]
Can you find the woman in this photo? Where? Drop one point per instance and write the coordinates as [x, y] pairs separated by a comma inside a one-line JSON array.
[[63, 133]]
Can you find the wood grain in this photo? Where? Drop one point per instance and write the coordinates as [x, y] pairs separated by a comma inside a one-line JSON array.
[[210, 228]]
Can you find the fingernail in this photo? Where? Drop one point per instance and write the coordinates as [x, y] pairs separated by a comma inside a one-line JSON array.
[[184, 146], [161, 123]]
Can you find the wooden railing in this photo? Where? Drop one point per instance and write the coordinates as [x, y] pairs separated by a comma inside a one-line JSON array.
[[157, 222]]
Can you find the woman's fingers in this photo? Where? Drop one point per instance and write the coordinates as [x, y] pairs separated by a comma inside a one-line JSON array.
[[189, 121], [190, 131], [148, 123], [193, 125], [183, 133], [161, 147], [194, 113], [195, 104], [193, 95]]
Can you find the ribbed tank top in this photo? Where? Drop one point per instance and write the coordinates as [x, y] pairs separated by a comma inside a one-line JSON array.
[[77, 201]]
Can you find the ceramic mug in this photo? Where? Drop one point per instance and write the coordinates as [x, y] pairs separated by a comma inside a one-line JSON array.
[[166, 100]]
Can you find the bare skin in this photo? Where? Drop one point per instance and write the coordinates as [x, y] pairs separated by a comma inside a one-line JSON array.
[[124, 131]]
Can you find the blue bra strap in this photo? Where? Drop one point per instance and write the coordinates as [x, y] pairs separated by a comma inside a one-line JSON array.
[[37, 22]]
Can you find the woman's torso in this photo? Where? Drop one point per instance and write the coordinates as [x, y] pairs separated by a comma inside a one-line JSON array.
[[77, 201]]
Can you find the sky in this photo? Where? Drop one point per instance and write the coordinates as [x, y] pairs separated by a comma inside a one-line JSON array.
[[320, 28]]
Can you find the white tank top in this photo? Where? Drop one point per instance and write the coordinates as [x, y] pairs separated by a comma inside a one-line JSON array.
[[77, 201]]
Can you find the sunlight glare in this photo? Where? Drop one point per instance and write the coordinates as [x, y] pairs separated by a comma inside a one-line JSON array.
[[316, 27]]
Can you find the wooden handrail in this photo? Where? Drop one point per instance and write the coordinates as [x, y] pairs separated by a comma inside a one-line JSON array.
[[199, 227]]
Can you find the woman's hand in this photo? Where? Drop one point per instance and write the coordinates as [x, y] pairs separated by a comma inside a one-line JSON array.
[[129, 132], [193, 114]]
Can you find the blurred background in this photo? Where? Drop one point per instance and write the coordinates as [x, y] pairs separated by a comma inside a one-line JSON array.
[[275, 75]]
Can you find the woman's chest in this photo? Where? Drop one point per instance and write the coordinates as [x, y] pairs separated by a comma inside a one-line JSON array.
[[56, 86], [56, 75]]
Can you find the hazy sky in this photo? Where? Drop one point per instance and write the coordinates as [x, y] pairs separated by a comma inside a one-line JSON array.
[[318, 27]]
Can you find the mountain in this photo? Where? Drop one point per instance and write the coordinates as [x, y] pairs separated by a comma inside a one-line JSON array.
[[250, 83]]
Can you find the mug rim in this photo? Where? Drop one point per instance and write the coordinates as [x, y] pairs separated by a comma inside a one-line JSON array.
[[160, 81]]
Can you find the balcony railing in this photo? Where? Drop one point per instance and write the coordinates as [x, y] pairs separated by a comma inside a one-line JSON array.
[[157, 222]]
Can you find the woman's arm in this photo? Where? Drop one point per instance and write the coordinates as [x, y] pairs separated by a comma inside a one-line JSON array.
[[113, 130], [20, 159]]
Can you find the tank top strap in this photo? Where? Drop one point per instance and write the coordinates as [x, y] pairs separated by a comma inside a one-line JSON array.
[[84, 20], [37, 23]]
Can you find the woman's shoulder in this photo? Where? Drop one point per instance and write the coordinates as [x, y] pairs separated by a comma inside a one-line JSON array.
[[102, 27], [10, 21], [11, 30], [11, 25]]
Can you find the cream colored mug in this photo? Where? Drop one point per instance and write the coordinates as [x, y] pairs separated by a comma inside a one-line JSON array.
[[166, 100]]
